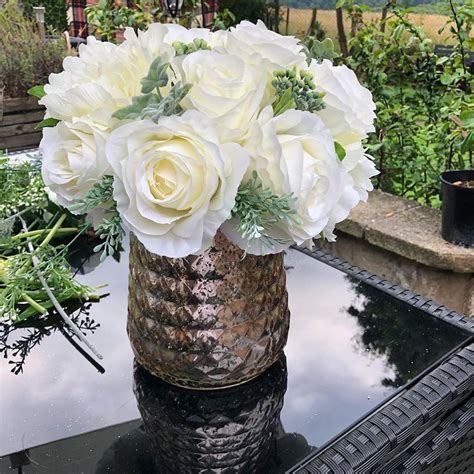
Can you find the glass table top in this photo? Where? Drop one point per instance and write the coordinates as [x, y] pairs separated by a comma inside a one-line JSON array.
[[350, 347]]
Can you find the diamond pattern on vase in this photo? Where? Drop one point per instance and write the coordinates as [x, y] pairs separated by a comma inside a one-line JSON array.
[[209, 320]]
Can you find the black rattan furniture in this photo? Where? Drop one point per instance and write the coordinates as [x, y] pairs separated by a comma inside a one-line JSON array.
[[426, 427]]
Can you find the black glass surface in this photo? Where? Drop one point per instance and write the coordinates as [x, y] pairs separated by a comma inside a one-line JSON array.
[[350, 347]]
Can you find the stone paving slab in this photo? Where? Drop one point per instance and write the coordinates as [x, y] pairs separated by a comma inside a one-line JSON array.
[[406, 228]]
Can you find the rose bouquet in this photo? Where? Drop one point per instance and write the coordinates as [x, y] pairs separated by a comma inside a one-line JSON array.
[[175, 134]]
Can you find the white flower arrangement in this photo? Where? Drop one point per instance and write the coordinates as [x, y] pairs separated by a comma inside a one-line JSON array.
[[178, 133]]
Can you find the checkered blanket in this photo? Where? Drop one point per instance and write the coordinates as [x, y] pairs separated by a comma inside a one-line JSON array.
[[78, 21]]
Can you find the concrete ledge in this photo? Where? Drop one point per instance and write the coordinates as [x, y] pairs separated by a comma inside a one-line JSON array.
[[407, 229]]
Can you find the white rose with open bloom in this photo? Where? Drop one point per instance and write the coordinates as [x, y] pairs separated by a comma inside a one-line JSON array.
[[349, 112], [302, 160], [260, 46], [175, 183], [361, 168], [73, 160], [223, 87], [106, 76]]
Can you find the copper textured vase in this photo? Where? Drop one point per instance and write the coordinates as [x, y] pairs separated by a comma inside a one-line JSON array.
[[207, 321]]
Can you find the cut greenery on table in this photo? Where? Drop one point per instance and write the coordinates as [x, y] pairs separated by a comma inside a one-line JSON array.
[[35, 238]]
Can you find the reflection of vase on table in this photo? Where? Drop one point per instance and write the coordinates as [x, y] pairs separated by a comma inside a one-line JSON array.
[[207, 321], [232, 430]]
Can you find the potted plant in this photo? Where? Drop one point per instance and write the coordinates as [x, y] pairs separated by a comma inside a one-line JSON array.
[[25, 60], [457, 224], [217, 150]]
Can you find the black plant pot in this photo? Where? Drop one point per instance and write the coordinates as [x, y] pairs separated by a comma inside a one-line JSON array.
[[457, 225]]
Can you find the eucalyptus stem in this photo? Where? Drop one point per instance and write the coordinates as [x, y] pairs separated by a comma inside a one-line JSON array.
[[53, 231]]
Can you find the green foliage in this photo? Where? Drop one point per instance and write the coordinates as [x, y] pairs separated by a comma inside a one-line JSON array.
[[108, 17], [157, 76], [110, 230], [198, 44], [295, 90], [24, 59], [251, 10], [223, 20], [15, 178], [55, 16], [153, 105], [319, 50], [21, 292], [424, 102], [258, 210]]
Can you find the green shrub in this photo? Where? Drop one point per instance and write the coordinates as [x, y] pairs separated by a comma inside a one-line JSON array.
[[425, 110], [55, 13], [24, 59], [251, 10]]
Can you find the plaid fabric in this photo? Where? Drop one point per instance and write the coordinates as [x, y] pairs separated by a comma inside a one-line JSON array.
[[78, 22], [77, 18], [209, 11]]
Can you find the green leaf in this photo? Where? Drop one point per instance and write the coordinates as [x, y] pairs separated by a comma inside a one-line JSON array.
[[169, 105], [48, 122], [284, 103], [467, 118], [340, 151], [468, 143], [37, 91], [320, 50], [157, 76], [134, 111]]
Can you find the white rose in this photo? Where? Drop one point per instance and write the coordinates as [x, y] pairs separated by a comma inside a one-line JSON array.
[[346, 199], [361, 168], [73, 159], [301, 159], [349, 112], [224, 88], [105, 77], [258, 45], [175, 183], [81, 69]]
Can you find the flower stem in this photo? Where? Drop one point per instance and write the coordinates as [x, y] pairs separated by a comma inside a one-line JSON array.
[[34, 304], [53, 231], [36, 233]]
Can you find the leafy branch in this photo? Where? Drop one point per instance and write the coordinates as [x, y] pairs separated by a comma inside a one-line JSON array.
[[258, 210], [110, 230], [152, 104]]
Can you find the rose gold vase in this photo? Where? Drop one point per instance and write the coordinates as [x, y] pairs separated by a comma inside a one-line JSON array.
[[207, 321]]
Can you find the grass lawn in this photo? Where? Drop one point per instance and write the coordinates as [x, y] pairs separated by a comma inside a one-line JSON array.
[[299, 22]]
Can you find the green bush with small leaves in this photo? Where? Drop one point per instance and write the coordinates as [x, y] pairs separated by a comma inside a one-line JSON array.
[[425, 108], [25, 60]]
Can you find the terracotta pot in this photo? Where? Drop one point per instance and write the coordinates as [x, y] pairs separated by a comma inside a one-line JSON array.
[[207, 321], [224, 431]]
